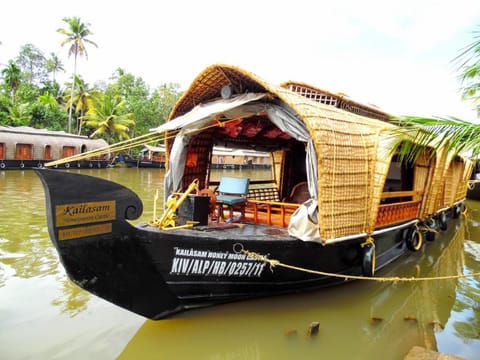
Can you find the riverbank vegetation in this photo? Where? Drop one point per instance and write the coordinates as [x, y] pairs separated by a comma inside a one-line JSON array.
[[116, 109], [125, 106]]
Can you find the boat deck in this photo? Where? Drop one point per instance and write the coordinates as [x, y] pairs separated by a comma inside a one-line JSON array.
[[223, 230]]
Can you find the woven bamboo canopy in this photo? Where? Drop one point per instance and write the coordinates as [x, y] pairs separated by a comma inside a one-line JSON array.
[[354, 144], [353, 151]]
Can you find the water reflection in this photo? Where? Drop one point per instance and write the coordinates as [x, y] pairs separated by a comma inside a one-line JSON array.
[[72, 300], [24, 243], [357, 320]]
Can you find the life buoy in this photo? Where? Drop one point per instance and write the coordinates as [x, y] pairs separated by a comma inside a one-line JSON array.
[[414, 239], [39, 165], [213, 199], [2, 165], [90, 165], [368, 259], [22, 165], [442, 221], [78, 165], [67, 166]]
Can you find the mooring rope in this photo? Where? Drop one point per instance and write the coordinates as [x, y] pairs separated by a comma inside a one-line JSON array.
[[394, 279], [471, 184]]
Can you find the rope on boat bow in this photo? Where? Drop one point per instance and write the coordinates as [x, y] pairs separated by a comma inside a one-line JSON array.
[[167, 220], [394, 279]]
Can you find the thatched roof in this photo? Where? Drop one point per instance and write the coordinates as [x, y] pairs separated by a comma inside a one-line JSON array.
[[352, 150]]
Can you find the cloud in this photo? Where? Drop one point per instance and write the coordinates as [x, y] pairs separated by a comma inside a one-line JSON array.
[[393, 53]]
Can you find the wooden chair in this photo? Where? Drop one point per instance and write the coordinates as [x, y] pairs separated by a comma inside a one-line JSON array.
[[232, 193], [299, 193]]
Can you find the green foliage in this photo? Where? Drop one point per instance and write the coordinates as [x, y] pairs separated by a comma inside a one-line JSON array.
[[82, 100], [126, 106], [32, 63], [45, 114], [469, 67], [12, 76], [455, 135], [108, 118], [150, 110], [53, 65], [76, 35]]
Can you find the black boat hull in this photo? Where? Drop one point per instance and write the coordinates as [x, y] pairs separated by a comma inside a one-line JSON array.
[[157, 273], [38, 164]]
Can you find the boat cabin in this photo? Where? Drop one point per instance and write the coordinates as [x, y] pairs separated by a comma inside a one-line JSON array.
[[340, 153], [26, 147]]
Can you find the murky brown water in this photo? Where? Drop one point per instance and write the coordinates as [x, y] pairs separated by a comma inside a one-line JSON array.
[[44, 316]]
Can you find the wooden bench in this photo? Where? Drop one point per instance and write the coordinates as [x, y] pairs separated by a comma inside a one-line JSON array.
[[263, 191], [269, 212], [263, 204]]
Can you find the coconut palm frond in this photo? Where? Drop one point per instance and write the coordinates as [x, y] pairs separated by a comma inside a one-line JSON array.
[[456, 135], [469, 52]]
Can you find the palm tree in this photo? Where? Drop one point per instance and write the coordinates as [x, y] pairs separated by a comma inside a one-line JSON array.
[[108, 117], [76, 36], [53, 65], [12, 76], [469, 68], [83, 97]]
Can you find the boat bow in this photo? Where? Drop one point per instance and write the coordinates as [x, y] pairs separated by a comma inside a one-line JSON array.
[[100, 250]]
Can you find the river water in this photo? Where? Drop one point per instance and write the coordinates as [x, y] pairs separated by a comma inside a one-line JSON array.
[[44, 316]]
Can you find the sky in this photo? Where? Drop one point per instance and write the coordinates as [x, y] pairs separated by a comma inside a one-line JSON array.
[[397, 55]]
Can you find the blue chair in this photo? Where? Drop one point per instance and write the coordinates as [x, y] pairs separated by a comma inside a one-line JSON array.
[[232, 193]]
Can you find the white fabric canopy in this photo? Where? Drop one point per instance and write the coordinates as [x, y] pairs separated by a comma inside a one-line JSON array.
[[244, 105], [207, 112]]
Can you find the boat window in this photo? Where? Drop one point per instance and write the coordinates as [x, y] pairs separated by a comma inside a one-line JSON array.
[[24, 152], [68, 151], [2, 151], [83, 149], [294, 169], [48, 152], [399, 180]]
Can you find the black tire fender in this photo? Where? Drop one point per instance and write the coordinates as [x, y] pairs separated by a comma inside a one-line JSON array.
[[414, 239], [457, 210], [368, 259], [442, 221]]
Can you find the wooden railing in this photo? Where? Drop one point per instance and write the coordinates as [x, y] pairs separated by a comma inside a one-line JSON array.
[[398, 211], [269, 212]]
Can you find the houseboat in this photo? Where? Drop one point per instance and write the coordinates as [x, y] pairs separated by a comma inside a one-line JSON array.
[[150, 157], [222, 158], [25, 147], [341, 203]]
